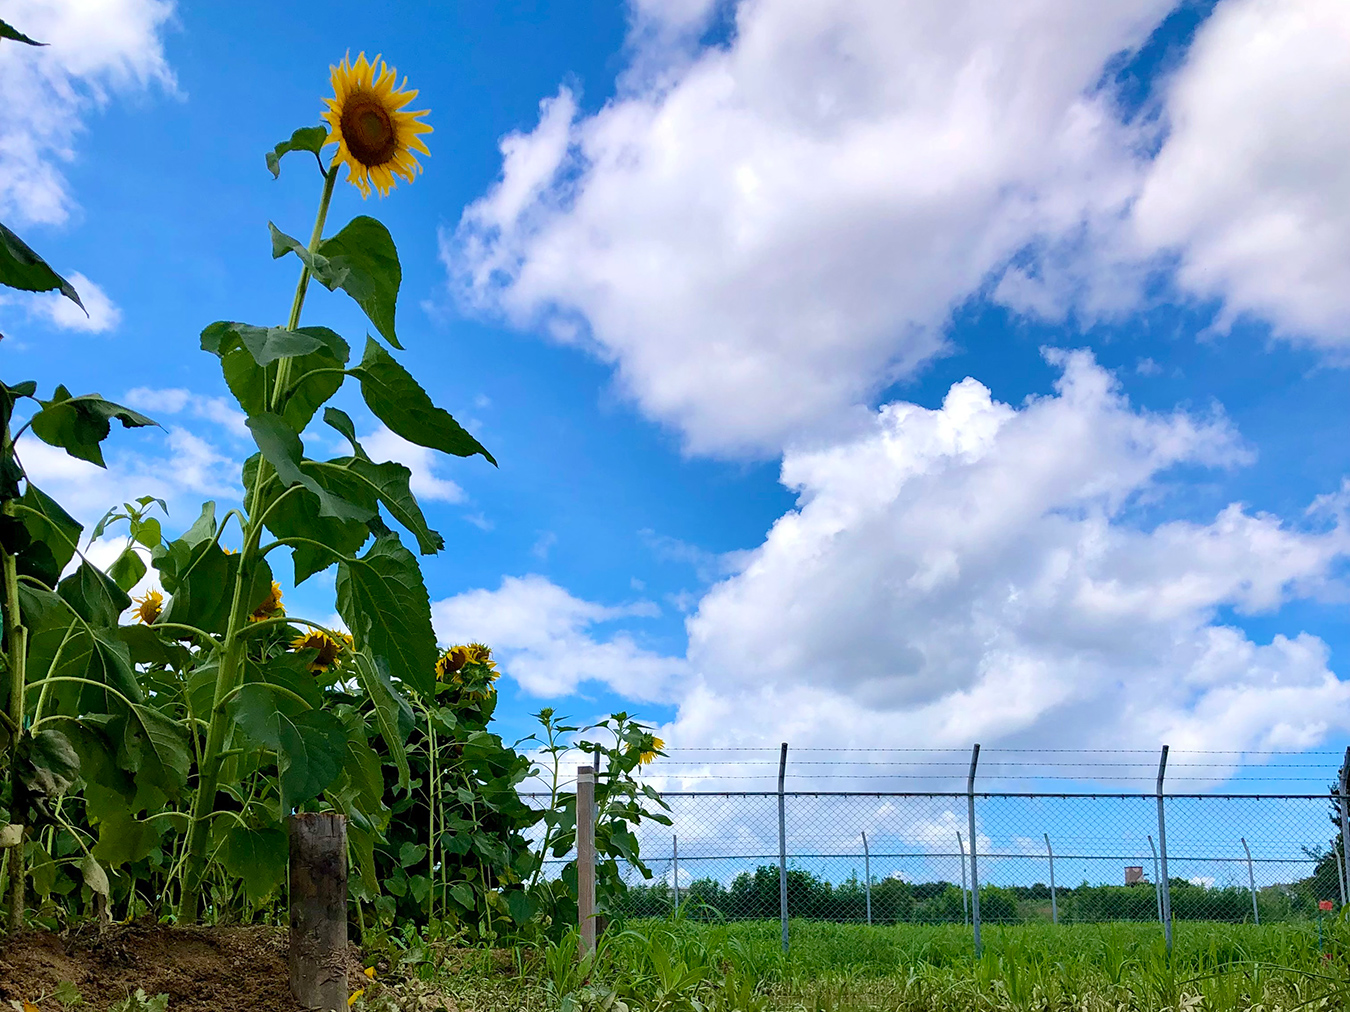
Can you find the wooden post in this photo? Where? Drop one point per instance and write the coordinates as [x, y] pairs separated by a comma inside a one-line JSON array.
[[586, 860], [318, 954]]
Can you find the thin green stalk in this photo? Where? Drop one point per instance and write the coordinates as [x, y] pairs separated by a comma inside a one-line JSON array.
[[16, 638], [227, 678], [301, 286], [431, 817]]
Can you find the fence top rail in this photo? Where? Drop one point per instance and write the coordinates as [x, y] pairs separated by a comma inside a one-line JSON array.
[[1105, 796]]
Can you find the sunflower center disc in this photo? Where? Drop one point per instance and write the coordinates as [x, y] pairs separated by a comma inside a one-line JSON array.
[[368, 131]]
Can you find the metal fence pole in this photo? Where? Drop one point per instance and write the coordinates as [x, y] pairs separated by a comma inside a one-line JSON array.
[[965, 912], [1340, 875], [974, 860], [1345, 820], [867, 877], [1251, 880], [586, 860], [675, 866], [1162, 846], [1054, 903], [782, 845], [1157, 878]]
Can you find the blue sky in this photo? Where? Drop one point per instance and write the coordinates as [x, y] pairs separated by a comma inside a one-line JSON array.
[[729, 237]]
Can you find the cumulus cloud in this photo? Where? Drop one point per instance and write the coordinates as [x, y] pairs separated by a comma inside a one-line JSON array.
[[176, 400], [972, 573], [1251, 190], [177, 466], [95, 48], [100, 313], [383, 444], [977, 572], [546, 639], [761, 234]]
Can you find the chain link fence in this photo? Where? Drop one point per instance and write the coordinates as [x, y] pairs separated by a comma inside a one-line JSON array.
[[915, 856]]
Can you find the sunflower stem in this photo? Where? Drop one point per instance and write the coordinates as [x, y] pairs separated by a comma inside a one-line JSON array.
[[301, 286]]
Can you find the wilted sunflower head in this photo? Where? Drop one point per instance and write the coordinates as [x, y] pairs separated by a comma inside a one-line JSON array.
[[149, 606], [270, 606], [450, 662], [650, 749], [327, 649], [470, 667], [375, 135]]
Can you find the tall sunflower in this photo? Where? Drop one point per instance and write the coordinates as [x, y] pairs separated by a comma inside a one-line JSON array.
[[375, 135]]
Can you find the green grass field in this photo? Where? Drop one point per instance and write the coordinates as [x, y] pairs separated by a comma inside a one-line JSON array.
[[663, 966]]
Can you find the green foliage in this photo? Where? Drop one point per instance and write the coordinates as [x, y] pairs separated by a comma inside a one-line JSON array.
[[153, 748], [304, 139], [23, 269]]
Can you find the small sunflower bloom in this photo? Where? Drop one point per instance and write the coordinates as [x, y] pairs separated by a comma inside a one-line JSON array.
[[328, 649], [376, 136], [149, 606], [270, 606]]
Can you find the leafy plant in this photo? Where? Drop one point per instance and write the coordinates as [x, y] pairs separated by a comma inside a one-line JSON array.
[[140, 1002]]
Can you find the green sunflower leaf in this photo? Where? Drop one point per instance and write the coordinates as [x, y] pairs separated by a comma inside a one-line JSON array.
[[363, 262], [8, 31], [154, 746], [399, 401], [297, 516], [265, 344], [384, 602], [389, 483], [257, 857], [127, 569], [124, 839], [393, 713], [94, 596], [310, 746], [281, 446], [201, 575], [53, 533], [340, 420], [304, 139], [23, 269], [46, 762], [315, 375], [79, 424]]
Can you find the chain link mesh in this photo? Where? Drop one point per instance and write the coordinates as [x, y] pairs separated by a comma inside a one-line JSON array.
[[917, 865]]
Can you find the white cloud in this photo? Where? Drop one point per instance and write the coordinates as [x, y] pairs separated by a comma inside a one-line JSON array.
[[100, 313], [1251, 190], [972, 573], [177, 466], [762, 234], [545, 639], [95, 47], [383, 444], [175, 400], [977, 572]]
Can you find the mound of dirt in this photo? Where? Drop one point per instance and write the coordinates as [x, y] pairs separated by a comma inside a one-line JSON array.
[[198, 968]]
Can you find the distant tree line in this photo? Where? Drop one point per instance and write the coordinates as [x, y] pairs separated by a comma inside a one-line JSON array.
[[754, 895]]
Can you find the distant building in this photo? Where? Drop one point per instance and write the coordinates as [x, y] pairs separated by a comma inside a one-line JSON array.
[[1133, 874]]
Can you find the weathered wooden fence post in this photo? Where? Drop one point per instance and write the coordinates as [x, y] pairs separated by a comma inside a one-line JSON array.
[[586, 860], [318, 953]]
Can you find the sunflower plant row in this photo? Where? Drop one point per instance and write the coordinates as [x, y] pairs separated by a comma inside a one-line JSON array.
[[152, 761]]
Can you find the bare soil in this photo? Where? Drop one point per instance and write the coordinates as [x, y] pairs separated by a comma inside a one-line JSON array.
[[237, 968]]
